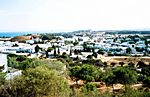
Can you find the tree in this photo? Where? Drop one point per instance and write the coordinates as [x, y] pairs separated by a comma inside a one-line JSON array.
[[39, 82], [131, 65], [93, 49], [125, 76], [146, 82], [122, 75], [98, 63], [121, 63], [138, 49], [86, 72], [2, 78], [46, 52], [49, 49], [84, 46], [109, 79], [19, 62], [75, 43], [128, 50], [76, 51], [37, 48], [21, 58], [54, 47], [47, 36], [74, 72], [94, 54], [90, 73], [58, 51], [70, 52], [113, 64], [141, 64], [54, 52], [100, 51], [105, 64], [90, 57], [15, 45], [145, 71], [89, 87], [146, 42]]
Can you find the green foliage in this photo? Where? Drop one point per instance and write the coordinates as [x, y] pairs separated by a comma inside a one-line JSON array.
[[121, 63], [12, 55], [89, 87], [56, 65], [89, 56], [105, 64], [145, 71], [15, 45], [131, 65], [38, 82], [98, 63], [86, 72], [89, 73], [130, 92], [49, 49], [32, 63], [128, 50], [20, 62], [68, 42], [21, 58], [81, 93], [125, 75], [86, 48], [2, 78], [109, 78], [100, 51], [141, 64], [70, 53], [122, 75], [47, 36], [138, 49], [146, 82], [55, 52], [37, 48], [77, 52], [66, 57], [94, 54], [74, 72], [75, 43], [58, 51], [47, 55], [113, 64]]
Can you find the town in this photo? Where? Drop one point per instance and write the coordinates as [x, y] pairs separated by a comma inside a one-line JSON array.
[[82, 44], [78, 43], [103, 49]]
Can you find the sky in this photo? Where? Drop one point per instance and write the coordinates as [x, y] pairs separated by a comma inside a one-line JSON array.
[[69, 15]]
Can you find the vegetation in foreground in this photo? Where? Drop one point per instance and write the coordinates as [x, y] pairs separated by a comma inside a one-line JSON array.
[[49, 78]]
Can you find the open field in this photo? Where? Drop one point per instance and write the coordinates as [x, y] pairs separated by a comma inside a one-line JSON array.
[[125, 59]]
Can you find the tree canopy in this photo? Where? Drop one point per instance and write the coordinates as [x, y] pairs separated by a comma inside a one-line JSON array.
[[38, 82], [86, 72]]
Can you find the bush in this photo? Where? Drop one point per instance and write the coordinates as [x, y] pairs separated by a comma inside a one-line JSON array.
[[146, 82], [37, 82], [89, 87]]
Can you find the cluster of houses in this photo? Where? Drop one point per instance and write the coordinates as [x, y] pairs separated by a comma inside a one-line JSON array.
[[114, 44], [109, 44]]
